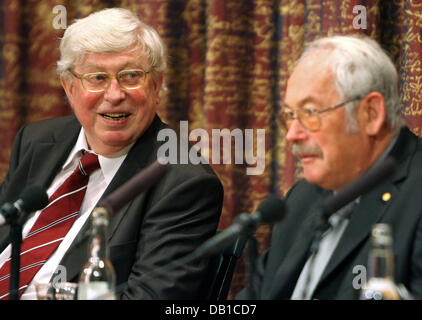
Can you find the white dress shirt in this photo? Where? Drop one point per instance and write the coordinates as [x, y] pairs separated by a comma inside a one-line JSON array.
[[338, 223], [98, 182]]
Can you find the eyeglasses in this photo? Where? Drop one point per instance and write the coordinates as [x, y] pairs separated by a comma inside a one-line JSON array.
[[309, 118], [100, 81]]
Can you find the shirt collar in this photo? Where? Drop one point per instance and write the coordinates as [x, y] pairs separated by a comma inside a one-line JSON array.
[[76, 152], [387, 150], [109, 164]]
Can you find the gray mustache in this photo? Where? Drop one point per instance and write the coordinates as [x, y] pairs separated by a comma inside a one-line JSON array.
[[299, 149]]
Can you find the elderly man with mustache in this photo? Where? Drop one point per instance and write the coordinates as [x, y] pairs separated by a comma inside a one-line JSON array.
[[342, 117]]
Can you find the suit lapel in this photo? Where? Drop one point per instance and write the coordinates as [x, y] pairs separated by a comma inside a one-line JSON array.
[[47, 158], [142, 154], [283, 283], [368, 212], [51, 153], [40, 174], [289, 267]]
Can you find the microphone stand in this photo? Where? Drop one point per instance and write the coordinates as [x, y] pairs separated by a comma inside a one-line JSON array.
[[252, 253], [16, 241]]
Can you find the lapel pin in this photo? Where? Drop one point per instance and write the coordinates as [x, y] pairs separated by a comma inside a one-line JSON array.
[[386, 196]]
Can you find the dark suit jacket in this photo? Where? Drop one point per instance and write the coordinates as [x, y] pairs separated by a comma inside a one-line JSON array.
[[280, 266], [161, 225]]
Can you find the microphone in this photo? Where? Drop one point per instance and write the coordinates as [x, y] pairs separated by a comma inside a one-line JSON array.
[[361, 185], [32, 198], [269, 211], [134, 187], [141, 182]]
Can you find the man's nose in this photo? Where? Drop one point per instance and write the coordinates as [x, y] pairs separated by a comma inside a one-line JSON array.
[[114, 92], [296, 132]]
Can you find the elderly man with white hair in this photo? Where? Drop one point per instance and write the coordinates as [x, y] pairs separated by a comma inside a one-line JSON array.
[[342, 117], [111, 68]]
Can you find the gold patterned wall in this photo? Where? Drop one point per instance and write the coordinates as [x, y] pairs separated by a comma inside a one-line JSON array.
[[229, 61]]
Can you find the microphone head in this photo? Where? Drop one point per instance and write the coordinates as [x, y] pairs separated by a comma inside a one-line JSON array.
[[138, 184], [33, 198], [359, 186], [272, 209]]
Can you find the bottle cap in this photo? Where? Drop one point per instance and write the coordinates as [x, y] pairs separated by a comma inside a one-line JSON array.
[[100, 216], [382, 235]]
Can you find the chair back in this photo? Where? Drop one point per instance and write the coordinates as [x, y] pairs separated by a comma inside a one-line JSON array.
[[221, 269]]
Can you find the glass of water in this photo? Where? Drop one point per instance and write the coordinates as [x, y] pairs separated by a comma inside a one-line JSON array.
[[66, 291], [45, 291]]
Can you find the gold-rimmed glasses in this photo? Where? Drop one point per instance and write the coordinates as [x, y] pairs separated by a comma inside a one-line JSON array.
[[309, 118], [100, 81]]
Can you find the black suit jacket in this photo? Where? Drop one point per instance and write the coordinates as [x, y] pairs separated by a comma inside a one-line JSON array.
[[160, 226], [280, 266]]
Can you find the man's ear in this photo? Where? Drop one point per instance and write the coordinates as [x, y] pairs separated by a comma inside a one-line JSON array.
[[372, 113], [158, 83], [68, 88]]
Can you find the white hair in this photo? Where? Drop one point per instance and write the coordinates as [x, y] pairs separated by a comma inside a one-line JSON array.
[[359, 66], [110, 30]]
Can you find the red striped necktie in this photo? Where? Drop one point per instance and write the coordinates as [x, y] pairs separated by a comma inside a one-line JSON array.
[[51, 226]]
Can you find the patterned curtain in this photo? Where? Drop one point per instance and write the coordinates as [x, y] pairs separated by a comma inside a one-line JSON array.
[[228, 65]]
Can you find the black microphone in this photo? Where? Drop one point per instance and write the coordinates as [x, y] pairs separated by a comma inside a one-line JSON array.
[[269, 211], [361, 185], [134, 187], [141, 182], [32, 198], [355, 189]]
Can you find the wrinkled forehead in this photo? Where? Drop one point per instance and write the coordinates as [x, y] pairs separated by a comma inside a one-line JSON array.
[[131, 57]]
